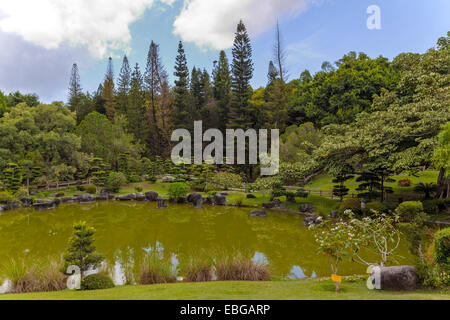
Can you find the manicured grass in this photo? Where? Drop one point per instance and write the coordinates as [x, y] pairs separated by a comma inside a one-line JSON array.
[[272, 290]]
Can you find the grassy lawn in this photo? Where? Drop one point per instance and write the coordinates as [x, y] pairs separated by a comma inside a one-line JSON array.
[[272, 290]]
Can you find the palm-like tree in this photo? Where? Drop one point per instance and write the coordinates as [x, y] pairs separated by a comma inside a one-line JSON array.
[[426, 188]]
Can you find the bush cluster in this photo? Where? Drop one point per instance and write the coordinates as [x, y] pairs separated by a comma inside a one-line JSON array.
[[96, 282]]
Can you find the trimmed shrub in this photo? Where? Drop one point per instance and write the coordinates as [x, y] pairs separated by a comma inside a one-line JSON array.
[[350, 204], [442, 249], [409, 209], [115, 180], [404, 183], [224, 181], [138, 189], [90, 189], [97, 281], [178, 190]]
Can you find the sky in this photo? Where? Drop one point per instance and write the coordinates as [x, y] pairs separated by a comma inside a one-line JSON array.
[[41, 39]]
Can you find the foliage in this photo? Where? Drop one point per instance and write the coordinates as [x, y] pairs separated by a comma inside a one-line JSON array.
[[91, 189], [441, 155], [224, 180], [178, 190], [97, 281], [427, 189], [115, 180], [409, 210], [6, 196], [156, 270], [81, 251], [442, 249], [350, 204]]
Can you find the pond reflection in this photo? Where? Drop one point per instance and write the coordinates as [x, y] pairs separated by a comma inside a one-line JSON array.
[[127, 232]]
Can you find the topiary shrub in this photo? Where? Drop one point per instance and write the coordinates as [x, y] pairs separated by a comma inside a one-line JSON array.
[[178, 190], [442, 249], [404, 183], [138, 189], [409, 209], [350, 204], [90, 189], [6, 196], [115, 180], [96, 282]]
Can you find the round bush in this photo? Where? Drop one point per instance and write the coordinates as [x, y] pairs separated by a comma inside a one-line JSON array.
[[90, 189], [409, 209], [115, 180], [96, 282], [178, 190], [442, 248], [431, 207], [350, 204]]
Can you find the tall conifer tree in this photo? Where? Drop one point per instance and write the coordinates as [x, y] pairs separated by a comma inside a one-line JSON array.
[[108, 91], [75, 90], [123, 86], [222, 88], [183, 111]]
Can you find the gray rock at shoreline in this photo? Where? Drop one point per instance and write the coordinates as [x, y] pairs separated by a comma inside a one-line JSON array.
[[220, 200], [151, 196], [261, 213], [313, 220], [399, 278]]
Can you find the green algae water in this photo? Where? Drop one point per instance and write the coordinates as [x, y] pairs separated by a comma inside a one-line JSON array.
[[127, 231]]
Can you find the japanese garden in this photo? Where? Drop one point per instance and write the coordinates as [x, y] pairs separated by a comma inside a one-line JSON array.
[[92, 205]]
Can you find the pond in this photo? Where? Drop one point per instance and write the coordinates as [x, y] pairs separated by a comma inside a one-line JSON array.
[[127, 231]]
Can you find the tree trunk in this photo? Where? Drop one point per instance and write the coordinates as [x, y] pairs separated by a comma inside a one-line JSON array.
[[442, 185]]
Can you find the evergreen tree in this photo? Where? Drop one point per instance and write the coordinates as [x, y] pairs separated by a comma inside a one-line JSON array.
[[222, 89], [75, 90], [81, 251], [196, 90], [242, 72], [87, 105], [136, 110], [99, 103], [272, 74], [12, 176], [341, 190], [183, 112], [108, 91], [123, 86]]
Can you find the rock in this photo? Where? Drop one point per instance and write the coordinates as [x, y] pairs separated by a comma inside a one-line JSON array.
[[68, 199], [140, 197], [261, 213], [193, 197], [251, 196], [305, 208], [125, 198], [277, 202], [10, 205], [26, 202], [162, 203], [312, 221], [226, 194], [86, 198], [45, 205], [220, 200], [208, 200], [400, 278], [151, 196], [168, 179], [268, 205], [198, 203], [57, 201], [334, 214]]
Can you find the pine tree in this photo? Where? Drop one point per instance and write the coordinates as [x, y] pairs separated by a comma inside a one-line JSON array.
[[99, 103], [222, 89], [75, 90], [81, 251], [154, 79], [340, 190], [123, 86], [108, 91], [280, 55], [272, 74], [196, 90], [136, 109], [242, 72], [183, 111]]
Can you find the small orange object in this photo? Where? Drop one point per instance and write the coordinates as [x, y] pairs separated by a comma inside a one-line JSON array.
[[336, 278]]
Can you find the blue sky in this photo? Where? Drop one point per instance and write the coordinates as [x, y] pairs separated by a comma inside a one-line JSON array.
[[36, 54]]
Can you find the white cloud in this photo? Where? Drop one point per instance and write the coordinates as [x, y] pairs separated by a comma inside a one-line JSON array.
[[100, 25], [212, 24]]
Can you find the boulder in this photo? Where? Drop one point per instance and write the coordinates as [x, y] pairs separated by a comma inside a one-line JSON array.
[[313, 220], [45, 205], [220, 200], [268, 205], [194, 197], [68, 199], [151, 196], [261, 213], [208, 200], [126, 197], [226, 194], [26, 202], [198, 203], [277, 202], [140, 197], [400, 278], [334, 214], [11, 205], [86, 198], [251, 196], [162, 203], [305, 208]]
